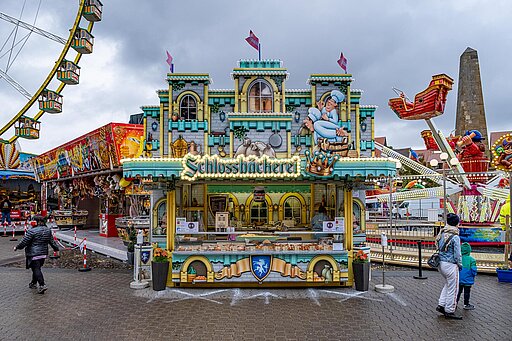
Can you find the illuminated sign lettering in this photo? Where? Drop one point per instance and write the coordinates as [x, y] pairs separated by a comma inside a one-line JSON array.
[[207, 166]]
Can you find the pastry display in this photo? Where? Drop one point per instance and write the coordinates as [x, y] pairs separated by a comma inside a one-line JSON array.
[[250, 244]]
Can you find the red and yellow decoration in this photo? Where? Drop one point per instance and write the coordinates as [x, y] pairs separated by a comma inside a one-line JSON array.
[[101, 149]]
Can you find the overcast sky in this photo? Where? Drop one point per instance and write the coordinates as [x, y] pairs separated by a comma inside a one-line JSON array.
[[387, 43]]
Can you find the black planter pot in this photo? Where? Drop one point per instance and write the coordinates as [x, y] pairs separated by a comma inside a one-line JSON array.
[[361, 275], [130, 256], [159, 272]]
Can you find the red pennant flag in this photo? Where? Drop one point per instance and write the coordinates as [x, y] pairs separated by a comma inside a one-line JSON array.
[[253, 40], [342, 62], [169, 60]]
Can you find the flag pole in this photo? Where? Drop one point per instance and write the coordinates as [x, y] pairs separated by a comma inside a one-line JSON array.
[[259, 51]]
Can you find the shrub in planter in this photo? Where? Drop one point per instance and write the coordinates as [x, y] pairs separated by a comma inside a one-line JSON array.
[[159, 268], [361, 269]]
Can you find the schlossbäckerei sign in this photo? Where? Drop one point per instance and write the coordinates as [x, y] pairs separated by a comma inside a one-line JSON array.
[[208, 167]]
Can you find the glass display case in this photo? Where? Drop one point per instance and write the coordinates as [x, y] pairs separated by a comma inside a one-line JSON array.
[[316, 258]]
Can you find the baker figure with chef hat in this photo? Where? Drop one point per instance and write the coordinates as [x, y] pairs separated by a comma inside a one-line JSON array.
[[323, 122]]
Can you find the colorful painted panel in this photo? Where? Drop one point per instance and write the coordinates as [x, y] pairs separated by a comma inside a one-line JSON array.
[[479, 235], [260, 268], [101, 149]]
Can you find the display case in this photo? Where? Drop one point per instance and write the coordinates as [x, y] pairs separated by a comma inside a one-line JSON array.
[[125, 225], [260, 256]]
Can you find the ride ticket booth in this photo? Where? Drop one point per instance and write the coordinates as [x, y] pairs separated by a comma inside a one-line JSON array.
[[265, 194]]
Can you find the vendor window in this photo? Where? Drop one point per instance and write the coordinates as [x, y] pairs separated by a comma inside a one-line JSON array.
[[188, 108], [259, 212], [292, 209], [260, 97]]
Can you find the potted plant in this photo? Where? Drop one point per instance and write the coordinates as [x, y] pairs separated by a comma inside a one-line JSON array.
[[159, 268], [130, 252], [361, 269], [504, 273]]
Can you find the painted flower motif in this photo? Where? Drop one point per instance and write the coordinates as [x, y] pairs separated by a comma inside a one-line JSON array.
[[360, 257]]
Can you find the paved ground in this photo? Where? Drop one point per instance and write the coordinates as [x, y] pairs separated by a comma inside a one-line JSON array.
[[99, 305]]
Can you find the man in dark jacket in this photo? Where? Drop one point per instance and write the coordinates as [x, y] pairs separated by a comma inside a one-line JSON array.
[[36, 243]]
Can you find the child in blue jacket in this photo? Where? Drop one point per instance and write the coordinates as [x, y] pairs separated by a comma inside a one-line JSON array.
[[467, 275]]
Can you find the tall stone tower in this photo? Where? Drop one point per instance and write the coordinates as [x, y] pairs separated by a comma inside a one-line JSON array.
[[470, 100]]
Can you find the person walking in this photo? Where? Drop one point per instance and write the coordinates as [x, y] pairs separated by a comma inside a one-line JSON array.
[[448, 244], [467, 275], [35, 243], [6, 207]]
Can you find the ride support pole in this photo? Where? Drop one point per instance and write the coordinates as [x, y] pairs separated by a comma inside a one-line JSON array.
[[75, 237], [85, 268], [13, 239], [5, 230], [420, 268]]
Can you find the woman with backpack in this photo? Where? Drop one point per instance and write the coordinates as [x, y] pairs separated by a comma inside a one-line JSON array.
[[448, 244]]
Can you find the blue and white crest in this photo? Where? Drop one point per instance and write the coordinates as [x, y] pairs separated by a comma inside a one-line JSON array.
[[144, 257], [261, 266]]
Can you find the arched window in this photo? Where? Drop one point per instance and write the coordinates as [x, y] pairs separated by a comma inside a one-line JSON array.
[[188, 108], [259, 212], [260, 97], [160, 223], [357, 218], [292, 209]]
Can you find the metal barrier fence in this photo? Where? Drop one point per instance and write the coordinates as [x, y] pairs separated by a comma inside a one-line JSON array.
[[402, 235]]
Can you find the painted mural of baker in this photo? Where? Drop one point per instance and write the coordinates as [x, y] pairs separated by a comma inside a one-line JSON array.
[[324, 124]]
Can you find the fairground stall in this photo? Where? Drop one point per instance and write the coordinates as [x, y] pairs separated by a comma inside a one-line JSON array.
[[238, 177], [82, 179], [17, 182]]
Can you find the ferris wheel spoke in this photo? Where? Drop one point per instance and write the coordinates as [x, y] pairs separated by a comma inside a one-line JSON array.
[[15, 85], [32, 28], [50, 101]]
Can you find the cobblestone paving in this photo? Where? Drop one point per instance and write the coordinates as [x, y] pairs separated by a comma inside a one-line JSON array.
[[6, 245], [99, 305]]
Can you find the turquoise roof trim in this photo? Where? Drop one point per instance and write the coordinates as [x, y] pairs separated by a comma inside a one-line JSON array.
[[258, 64], [297, 101], [153, 111], [367, 111], [329, 78], [255, 72], [344, 169], [187, 77], [221, 100]]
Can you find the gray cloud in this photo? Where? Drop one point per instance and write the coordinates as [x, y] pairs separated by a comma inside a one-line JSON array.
[[388, 44]]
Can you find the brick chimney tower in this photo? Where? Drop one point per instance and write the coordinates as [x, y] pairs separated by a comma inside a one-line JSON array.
[[470, 99]]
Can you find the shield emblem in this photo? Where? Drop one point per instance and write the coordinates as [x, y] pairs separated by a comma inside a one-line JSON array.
[[144, 257], [261, 266]]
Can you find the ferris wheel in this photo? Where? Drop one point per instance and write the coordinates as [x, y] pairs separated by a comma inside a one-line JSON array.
[[66, 70]]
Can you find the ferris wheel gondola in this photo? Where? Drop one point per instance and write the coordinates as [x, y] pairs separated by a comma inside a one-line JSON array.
[[66, 71]]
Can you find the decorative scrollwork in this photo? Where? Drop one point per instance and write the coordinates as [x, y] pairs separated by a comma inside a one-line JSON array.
[[214, 108]]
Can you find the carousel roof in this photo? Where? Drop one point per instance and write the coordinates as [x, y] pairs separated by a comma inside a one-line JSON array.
[[16, 174]]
